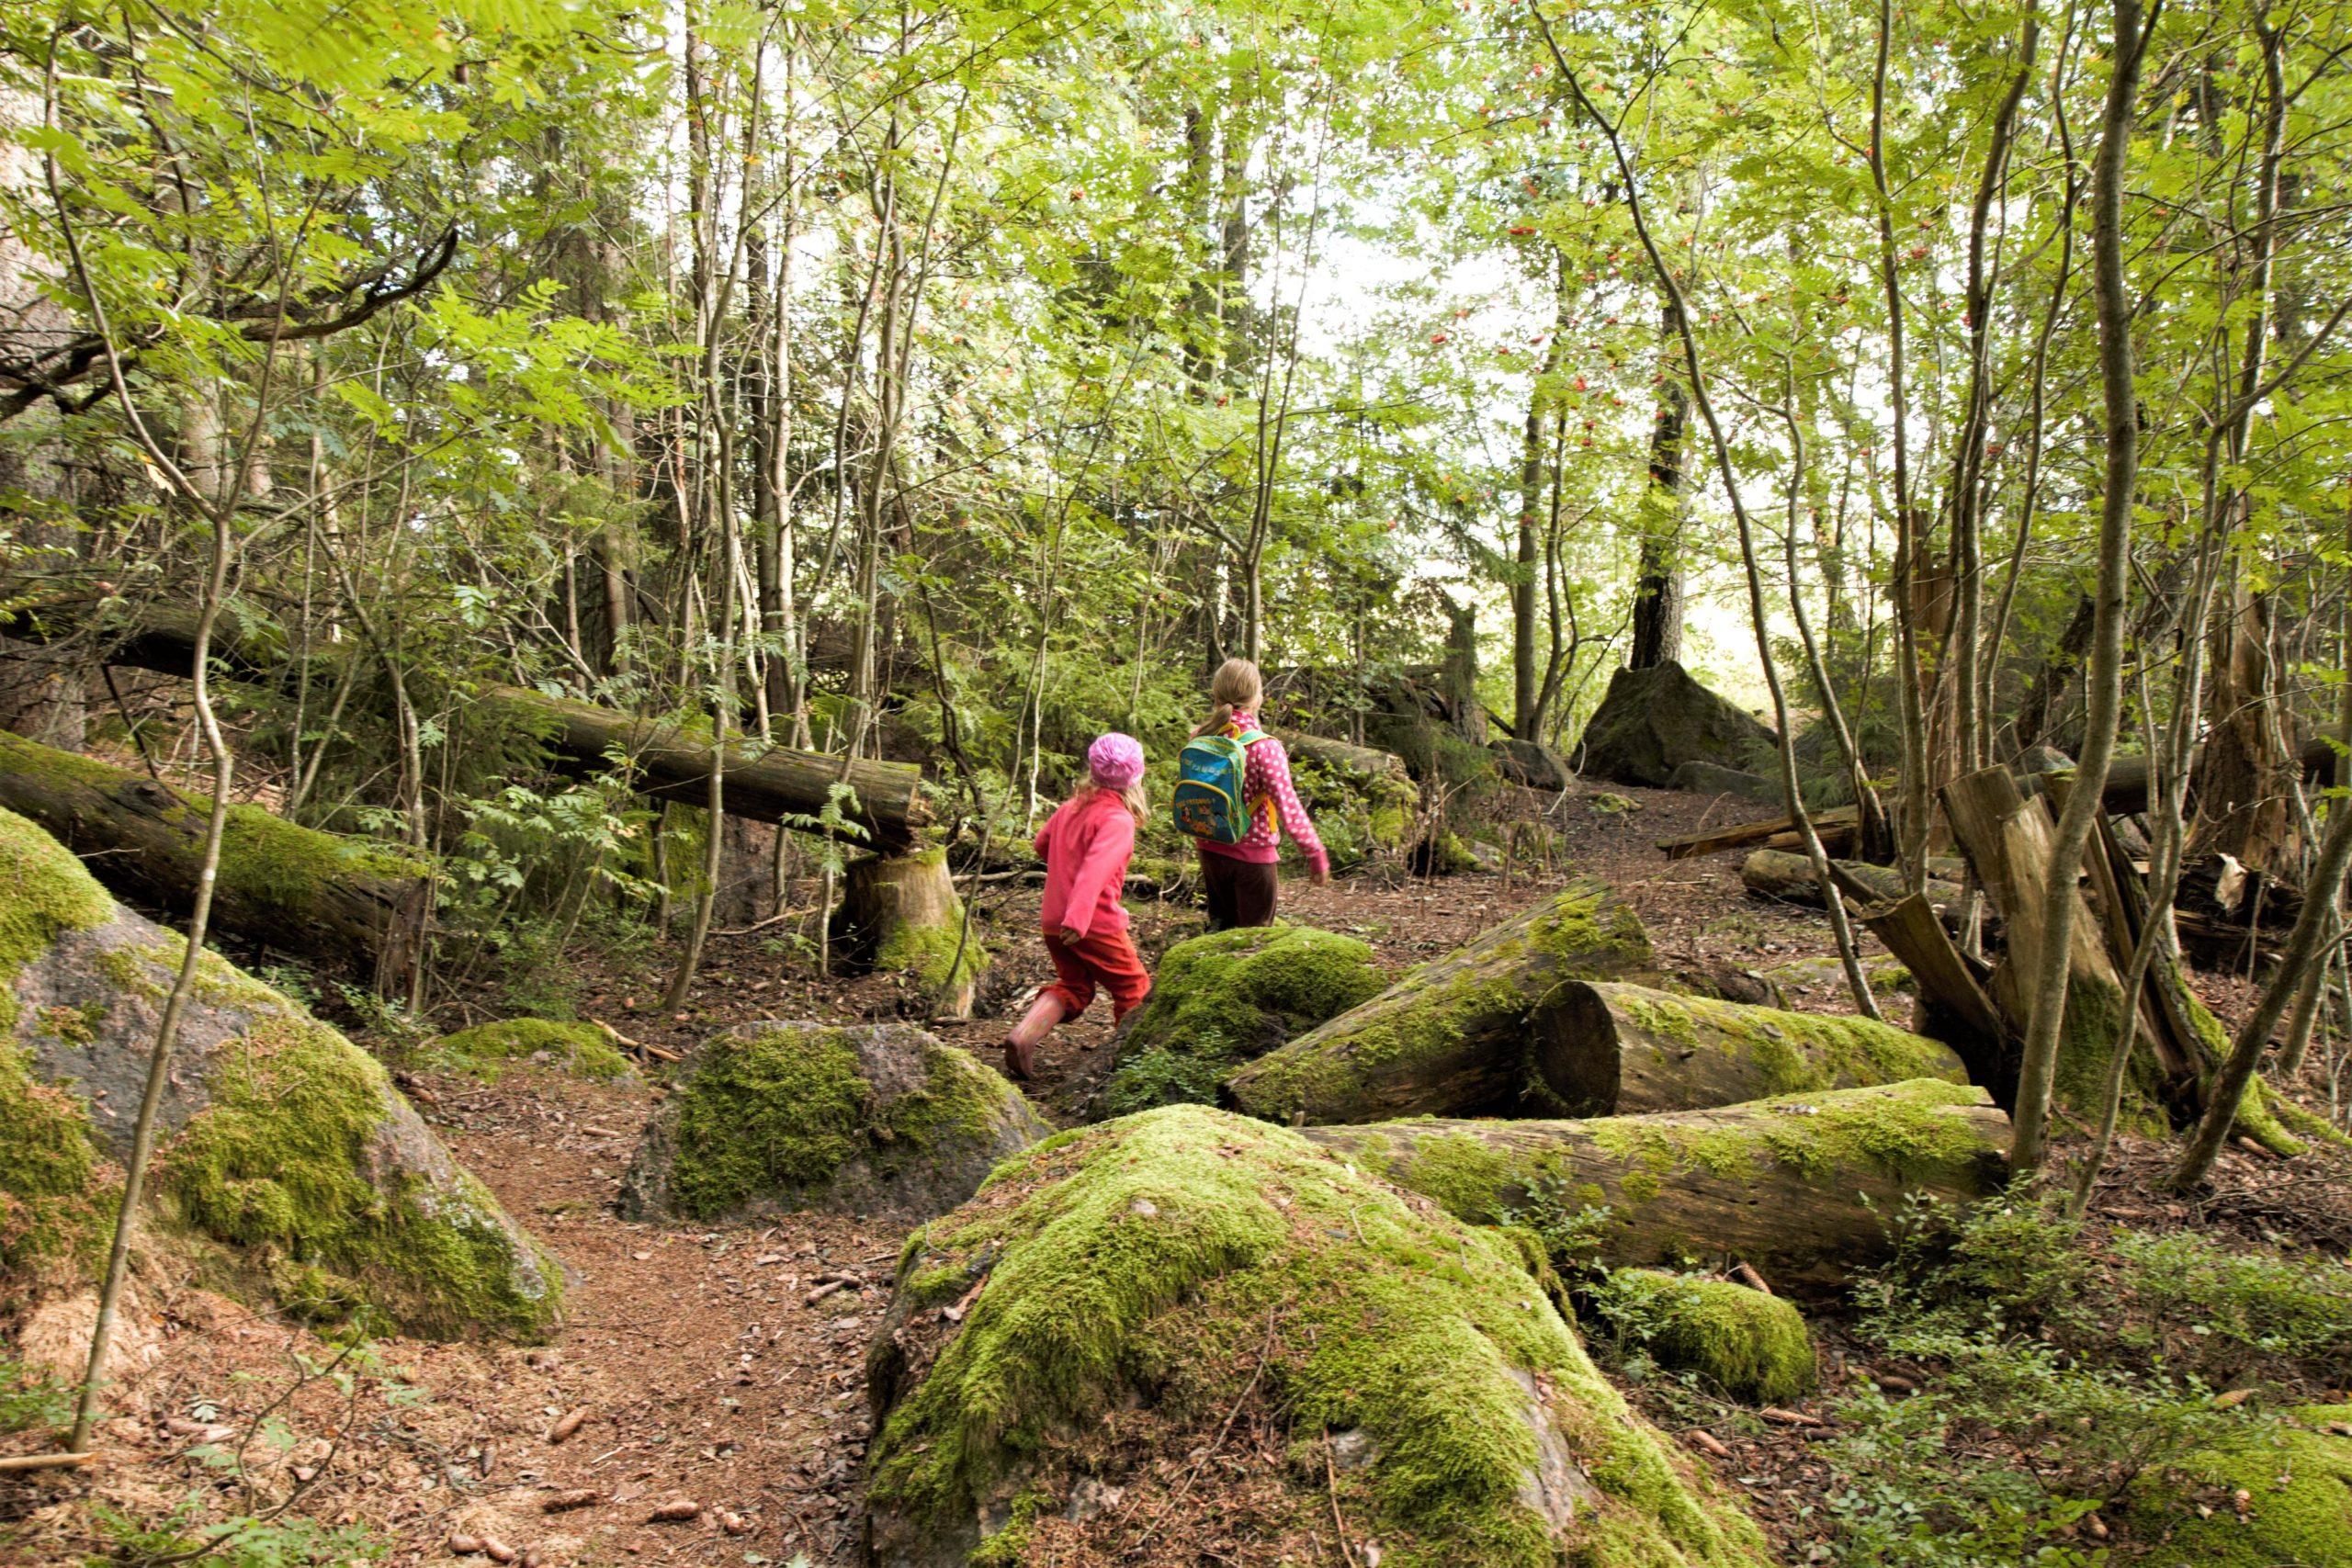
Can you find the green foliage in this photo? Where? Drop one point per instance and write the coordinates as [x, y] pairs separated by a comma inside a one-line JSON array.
[[488, 1049], [2102, 1363], [30, 1400]]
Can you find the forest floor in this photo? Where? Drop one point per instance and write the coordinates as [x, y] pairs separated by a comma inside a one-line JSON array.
[[724, 1367]]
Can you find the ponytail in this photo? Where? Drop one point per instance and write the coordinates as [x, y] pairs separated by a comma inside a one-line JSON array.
[[1237, 686]]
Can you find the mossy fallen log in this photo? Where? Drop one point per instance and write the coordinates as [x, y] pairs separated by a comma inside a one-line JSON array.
[[1801, 1187], [351, 905], [287, 1167], [782, 1118], [1612, 1049], [1738, 1341], [662, 758], [485, 1050], [1227, 998], [1126, 1292], [1451, 1037]]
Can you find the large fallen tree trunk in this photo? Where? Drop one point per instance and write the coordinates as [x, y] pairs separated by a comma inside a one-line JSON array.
[[1802, 1188], [349, 903], [667, 761], [660, 757], [1776, 874], [1612, 1049], [1452, 1037]]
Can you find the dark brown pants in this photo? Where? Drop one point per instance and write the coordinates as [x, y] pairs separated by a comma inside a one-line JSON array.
[[1240, 892]]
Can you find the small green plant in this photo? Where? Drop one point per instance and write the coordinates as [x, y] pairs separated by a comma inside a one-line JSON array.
[[30, 1400]]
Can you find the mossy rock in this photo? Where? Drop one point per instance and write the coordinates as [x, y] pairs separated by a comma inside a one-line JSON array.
[[286, 1165], [779, 1118], [1750, 1345], [1229, 998], [2296, 1481], [1127, 1291], [488, 1049], [1652, 721], [1827, 975]]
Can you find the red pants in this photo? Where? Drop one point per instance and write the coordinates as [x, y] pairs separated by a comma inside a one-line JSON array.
[[1106, 959]]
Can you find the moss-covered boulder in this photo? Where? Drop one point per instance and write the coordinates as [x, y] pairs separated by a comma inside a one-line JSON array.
[[1229, 998], [286, 1165], [777, 1118], [1155, 1286], [2281, 1498], [1750, 1345], [586, 1050], [1652, 721]]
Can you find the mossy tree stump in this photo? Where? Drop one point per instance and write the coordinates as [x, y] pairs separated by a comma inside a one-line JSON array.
[[1229, 998], [779, 1118], [900, 914], [1611, 1049], [349, 904], [1801, 1187], [1450, 1038], [286, 1165], [1129, 1289]]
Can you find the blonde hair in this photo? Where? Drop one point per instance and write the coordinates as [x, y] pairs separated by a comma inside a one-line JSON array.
[[1236, 687], [1134, 797]]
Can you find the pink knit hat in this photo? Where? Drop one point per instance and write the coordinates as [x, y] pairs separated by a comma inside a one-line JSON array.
[[1115, 760]]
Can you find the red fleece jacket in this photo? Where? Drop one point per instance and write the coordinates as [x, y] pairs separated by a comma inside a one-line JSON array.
[[1087, 845]]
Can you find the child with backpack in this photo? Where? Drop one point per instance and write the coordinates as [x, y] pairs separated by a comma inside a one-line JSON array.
[[1233, 795], [1087, 844]]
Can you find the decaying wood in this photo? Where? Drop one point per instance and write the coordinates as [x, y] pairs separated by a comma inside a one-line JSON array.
[[1612, 1049], [351, 905], [1800, 1187], [1776, 874], [664, 759], [1953, 1005], [1452, 1036], [1736, 835]]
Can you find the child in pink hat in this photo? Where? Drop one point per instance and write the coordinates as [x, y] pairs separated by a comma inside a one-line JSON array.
[[1087, 844]]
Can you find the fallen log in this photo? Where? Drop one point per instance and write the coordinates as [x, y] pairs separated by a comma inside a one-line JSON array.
[[1801, 1187], [1452, 1036], [1776, 874], [1954, 1007], [660, 757], [2126, 791], [1738, 835], [1613, 1049], [349, 903]]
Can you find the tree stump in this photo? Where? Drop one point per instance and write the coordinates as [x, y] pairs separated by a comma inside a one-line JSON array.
[[900, 914]]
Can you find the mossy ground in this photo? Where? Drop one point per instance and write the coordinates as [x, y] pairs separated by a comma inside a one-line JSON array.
[[1226, 997], [1747, 1344], [1182, 1252], [488, 1049], [2296, 1484], [775, 1113]]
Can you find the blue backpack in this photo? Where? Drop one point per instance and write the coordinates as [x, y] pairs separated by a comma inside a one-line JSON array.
[[1210, 772]]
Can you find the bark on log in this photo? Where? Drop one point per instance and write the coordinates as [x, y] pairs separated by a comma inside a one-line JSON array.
[[349, 904], [1612, 1049], [1738, 835], [1776, 874], [1452, 1037], [664, 761], [1364, 765], [1800, 1187], [1953, 1006]]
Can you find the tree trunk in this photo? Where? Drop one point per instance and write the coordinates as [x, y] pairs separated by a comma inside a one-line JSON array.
[[1458, 678], [1452, 1037], [1614, 1049], [1657, 580], [347, 904], [2242, 786], [900, 914], [2008, 840], [1800, 1189], [1952, 1007]]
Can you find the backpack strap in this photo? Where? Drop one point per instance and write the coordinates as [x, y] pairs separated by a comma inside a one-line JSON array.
[[1250, 736]]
